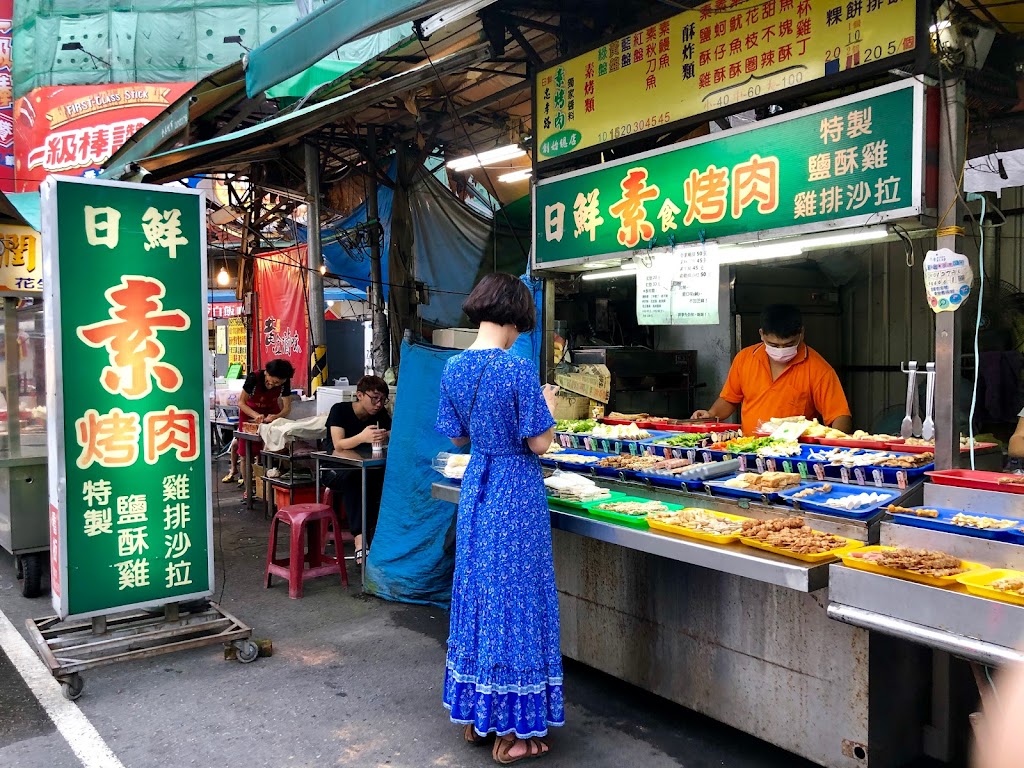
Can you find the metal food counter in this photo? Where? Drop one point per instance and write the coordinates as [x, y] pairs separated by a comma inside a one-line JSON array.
[[740, 635], [951, 620]]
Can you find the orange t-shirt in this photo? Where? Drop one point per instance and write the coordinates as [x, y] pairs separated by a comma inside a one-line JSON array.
[[808, 387]]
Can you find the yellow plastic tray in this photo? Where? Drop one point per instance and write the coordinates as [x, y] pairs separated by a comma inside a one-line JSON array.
[[712, 538], [818, 557], [897, 573], [977, 583]]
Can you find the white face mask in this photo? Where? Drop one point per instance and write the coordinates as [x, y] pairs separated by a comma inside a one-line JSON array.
[[782, 354]]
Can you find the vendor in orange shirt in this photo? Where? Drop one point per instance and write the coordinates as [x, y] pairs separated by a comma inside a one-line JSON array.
[[781, 377]]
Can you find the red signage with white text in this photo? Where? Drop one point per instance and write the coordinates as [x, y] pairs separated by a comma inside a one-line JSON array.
[[282, 327], [223, 309], [6, 99], [74, 129]]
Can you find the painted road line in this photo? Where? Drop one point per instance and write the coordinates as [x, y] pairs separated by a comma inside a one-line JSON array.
[[74, 726]]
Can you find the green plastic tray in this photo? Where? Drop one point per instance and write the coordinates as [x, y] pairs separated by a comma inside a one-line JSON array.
[[633, 521], [581, 506]]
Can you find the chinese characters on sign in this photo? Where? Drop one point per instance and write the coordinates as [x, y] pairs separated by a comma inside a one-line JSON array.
[[716, 56], [947, 279], [134, 515], [678, 287], [844, 160], [21, 264]]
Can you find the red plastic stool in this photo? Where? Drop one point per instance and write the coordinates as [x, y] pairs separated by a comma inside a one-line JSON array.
[[327, 529], [305, 521]]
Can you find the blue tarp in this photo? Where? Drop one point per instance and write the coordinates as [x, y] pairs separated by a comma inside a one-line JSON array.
[[407, 561], [353, 264], [528, 344]]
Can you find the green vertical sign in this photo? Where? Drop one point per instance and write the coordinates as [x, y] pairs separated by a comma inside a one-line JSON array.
[[127, 374], [845, 163]]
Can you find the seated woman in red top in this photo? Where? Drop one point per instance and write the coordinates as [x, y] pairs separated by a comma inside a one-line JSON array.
[[266, 397]]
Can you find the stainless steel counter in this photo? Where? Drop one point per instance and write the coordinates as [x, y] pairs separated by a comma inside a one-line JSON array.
[[735, 559], [950, 619]]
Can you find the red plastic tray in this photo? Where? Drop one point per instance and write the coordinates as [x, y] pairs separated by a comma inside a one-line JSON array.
[[870, 445], [618, 422], [697, 427], [975, 479], [902, 448]]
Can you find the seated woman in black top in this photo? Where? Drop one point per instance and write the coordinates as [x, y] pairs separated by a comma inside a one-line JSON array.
[[266, 397], [350, 425]]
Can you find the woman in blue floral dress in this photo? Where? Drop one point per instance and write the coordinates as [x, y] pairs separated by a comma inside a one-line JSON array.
[[504, 663]]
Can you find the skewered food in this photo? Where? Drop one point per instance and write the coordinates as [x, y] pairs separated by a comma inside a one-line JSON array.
[[633, 508], [572, 487], [791, 533], [620, 432], [895, 510], [1012, 480], [1012, 584], [982, 523], [629, 462], [571, 458], [779, 449], [856, 501], [826, 488], [575, 426], [700, 520], [764, 483], [690, 440], [908, 460], [923, 561]]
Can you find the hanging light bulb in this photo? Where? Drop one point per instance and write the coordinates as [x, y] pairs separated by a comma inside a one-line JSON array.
[[223, 278], [323, 268]]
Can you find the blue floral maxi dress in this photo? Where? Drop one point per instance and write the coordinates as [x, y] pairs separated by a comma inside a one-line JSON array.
[[504, 664]]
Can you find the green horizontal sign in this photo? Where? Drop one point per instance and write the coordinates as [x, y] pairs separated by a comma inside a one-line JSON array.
[[851, 161]]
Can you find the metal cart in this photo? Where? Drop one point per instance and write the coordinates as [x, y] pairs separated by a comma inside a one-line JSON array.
[[24, 522]]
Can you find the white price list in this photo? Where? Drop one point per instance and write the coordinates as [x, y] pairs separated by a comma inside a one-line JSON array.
[[678, 287]]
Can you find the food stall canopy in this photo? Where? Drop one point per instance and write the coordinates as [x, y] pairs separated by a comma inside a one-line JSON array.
[[338, 63], [236, 150], [214, 93], [21, 208], [324, 30]]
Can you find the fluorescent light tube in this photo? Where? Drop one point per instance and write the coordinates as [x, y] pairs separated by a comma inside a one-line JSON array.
[[497, 155], [620, 272], [511, 178]]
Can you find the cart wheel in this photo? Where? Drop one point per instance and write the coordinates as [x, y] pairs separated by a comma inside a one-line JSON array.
[[248, 651], [72, 687], [32, 570]]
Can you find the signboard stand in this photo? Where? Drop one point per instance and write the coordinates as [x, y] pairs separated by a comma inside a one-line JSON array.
[[69, 648], [128, 432]]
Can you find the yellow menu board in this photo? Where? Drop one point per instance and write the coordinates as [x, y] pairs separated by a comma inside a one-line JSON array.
[[238, 344], [21, 262], [708, 59]]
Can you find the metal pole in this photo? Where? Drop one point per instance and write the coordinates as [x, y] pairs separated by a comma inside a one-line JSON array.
[[13, 357], [948, 324], [380, 347], [317, 322]]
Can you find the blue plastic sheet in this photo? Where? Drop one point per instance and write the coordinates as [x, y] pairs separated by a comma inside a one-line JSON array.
[[528, 344], [407, 561]]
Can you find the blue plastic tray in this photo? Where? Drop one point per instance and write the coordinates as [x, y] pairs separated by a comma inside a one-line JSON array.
[[888, 475], [567, 467], [839, 491], [606, 445], [672, 481], [651, 448], [719, 487], [942, 523]]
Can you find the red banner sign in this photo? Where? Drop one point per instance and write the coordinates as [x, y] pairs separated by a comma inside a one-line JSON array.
[[282, 319], [6, 99], [74, 129]]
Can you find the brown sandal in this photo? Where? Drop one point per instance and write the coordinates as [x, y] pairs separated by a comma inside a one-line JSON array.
[[472, 737], [502, 746]]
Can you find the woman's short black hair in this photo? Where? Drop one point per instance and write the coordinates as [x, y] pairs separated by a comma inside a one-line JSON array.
[[503, 299], [280, 368], [782, 320]]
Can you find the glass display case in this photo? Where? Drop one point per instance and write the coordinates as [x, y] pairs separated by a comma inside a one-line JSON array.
[[24, 523]]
